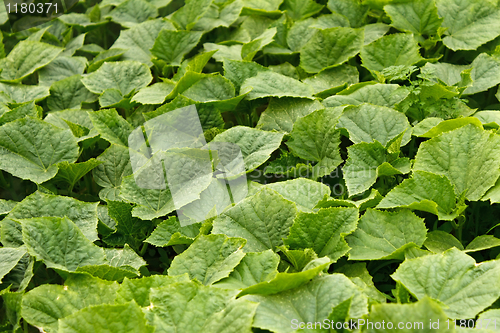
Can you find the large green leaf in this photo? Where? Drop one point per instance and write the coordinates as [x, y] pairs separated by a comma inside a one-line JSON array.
[[256, 145], [44, 305], [115, 165], [10, 256], [31, 148], [281, 113], [254, 268], [43, 237], [315, 138], [332, 80], [139, 39], [311, 302], [69, 93], [419, 17], [298, 9], [25, 58], [468, 156], [304, 192], [171, 46], [367, 162], [263, 219], [391, 50], [427, 192], [368, 123], [106, 317], [21, 93], [469, 23], [354, 10], [272, 84], [388, 95], [454, 279], [125, 76], [323, 231], [132, 12], [170, 232], [61, 68], [38, 204], [385, 235], [425, 315], [187, 16], [330, 47], [111, 126], [192, 307], [209, 259]]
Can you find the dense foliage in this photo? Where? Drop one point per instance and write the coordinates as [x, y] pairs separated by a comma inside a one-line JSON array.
[[369, 131]]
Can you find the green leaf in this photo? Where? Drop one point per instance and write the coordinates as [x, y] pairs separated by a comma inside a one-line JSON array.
[[385, 235], [311, 302], [304, 192], [375, 31], [482, 242], [69, 93], [454, 279], [314, 138], [269, 84], [170, 232], [388, 95], [250, 49], [21, 93], [10, 256], [254, 268], [425, 315], [484, 74], [129, 230], [25, 58], [391, 50], [209, 89], [367, 162], [352, 9], [427, 192], [139, 40], [469, 23], [132, 12], [439, 241], [360, 276], [217, 16], [287, 281], [71, 173], [111, 126], [282, 113], [139, 290], [256, 145], [61, 68], [44, 305], [333, 80], [106, 317], [171, 46], [298, 9], [368, 123], [105, 56], [187, 16], [28, 109], [323, 231], [109, 174], [239, 71], [154, 94], [125, 76], [263, 219], [446, 126], [193, 307], [419, 17], [470, 167], [25, 152], [44, 235], [209, 259], [38, 204], [330, 47]]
